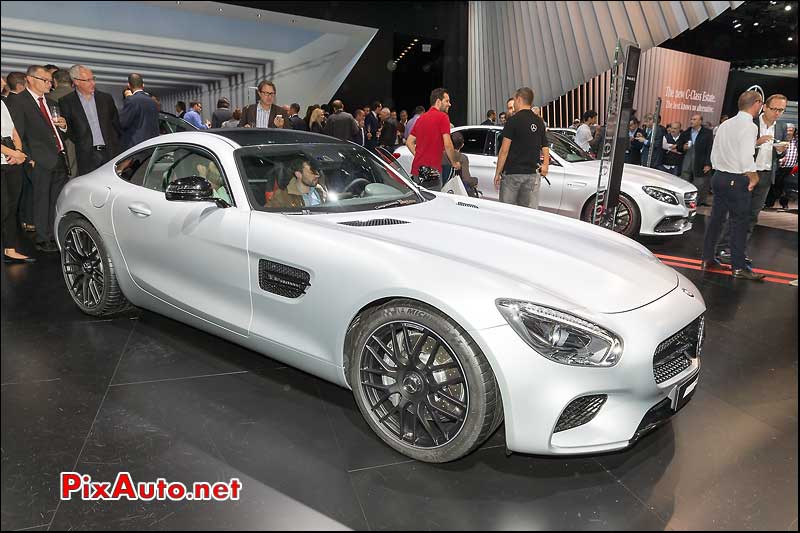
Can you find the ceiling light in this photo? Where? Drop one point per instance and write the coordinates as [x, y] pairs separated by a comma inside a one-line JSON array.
[[788, 7], [755, 24], [415, 40], [737, 25]]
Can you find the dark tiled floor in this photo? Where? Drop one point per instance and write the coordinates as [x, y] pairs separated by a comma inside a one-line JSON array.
[[155, 398]]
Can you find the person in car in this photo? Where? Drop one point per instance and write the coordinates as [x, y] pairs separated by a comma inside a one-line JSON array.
[[303, 190]]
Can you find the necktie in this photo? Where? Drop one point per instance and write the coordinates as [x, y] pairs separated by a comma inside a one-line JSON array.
[[43, 111]]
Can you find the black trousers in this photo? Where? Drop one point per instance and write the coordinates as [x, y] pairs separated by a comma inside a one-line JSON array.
[[757, 197], [91, 161], [11, 182], [731, 199], [26, 200], [776, 192], [47, 185]]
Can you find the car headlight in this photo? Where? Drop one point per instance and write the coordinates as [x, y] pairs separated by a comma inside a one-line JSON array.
[[561, 337], [662, 195]]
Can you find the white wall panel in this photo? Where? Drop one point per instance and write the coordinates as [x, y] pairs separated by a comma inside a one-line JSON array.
[[557, 46]]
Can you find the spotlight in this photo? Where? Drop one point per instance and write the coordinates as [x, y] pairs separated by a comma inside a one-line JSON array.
[[737, 25], [788, 7], [415, 40], [755, 24]]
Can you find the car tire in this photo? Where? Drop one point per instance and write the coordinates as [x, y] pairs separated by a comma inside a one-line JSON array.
[[88, 270], [632, 224], [422, 383]]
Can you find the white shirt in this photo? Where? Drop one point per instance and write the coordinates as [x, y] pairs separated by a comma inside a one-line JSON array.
[[764, 157], [583, 137], [6, 125], [734, 145]]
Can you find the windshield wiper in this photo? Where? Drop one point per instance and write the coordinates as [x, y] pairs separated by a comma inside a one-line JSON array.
[[395, 203]]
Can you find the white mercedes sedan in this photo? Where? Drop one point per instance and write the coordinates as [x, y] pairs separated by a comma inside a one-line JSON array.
[[444, 315], [651, 202]]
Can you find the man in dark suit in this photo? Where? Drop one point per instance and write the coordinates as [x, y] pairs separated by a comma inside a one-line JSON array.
[[44, 144], [340, 123], [388, 135], [696, 143], [139, 117], [657, 158], [295, 121], [371, 124], [93, 121], [264, 113], [491, 116], [222, 113], [360, 138], [635, 142]]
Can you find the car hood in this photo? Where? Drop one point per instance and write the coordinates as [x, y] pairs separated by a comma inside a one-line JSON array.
[[635, 175], [590, 267]]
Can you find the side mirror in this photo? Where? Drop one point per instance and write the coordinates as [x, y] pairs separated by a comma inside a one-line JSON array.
[[191, 189]]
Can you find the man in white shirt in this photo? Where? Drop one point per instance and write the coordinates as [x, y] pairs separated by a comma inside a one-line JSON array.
[[583, 136], [767, 154], [734, 179]]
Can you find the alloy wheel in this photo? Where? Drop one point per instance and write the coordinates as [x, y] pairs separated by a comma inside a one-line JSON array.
[[414, 385], [83, 268]]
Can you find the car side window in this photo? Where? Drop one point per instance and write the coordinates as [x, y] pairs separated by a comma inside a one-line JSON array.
[[474, 141], [171, 163], [134, 167]]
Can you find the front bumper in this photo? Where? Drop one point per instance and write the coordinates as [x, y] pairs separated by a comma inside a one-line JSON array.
[[659, 218], [536, 390]]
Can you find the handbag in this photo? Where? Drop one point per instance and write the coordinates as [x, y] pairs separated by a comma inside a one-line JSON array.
[[428, 177], [454, 185]]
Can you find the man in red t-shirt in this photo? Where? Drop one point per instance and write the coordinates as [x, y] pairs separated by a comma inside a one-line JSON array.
[[430, 137]]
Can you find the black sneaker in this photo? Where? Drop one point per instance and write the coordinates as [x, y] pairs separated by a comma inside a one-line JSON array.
[[724, 257], [47, 247]]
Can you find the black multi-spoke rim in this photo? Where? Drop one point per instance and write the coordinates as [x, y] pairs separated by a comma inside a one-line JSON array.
[[623, 219], [83, 268], [414, 385]]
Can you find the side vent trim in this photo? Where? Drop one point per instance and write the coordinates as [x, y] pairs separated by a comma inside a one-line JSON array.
[[464, 204], [283, 280]]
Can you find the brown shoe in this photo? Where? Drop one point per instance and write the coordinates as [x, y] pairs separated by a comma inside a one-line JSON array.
[[748, 274]]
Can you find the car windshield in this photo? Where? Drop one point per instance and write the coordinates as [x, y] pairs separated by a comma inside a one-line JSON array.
[[320, 178], [566, 149]]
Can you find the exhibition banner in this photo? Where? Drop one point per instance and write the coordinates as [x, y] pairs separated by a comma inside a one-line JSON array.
[[686, 83]]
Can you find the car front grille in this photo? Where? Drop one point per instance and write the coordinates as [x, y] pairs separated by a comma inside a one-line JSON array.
[[675, 354], [580, 411]]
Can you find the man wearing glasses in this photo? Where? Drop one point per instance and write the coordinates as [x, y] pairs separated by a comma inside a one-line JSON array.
[[93, 121], [767, 153], [41, 135], [264, 113]]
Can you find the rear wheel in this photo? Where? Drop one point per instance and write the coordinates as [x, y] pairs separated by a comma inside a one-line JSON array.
[[422, 383], [88, 270]]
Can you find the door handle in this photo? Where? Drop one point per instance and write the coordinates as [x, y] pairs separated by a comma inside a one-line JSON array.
[[139, 210], [575, 185]]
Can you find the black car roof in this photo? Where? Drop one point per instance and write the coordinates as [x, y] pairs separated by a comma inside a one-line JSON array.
[[260, 136]]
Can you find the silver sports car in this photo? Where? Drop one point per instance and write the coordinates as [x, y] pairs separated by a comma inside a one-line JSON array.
[[444, 315]]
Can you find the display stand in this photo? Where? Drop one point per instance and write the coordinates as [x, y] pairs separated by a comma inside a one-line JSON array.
[[620, 103]]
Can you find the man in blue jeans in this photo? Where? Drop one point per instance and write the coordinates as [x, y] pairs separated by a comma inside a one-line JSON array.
[[734, 179]]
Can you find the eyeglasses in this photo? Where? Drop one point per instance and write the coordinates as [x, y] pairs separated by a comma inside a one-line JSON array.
[[49, 82], [93, 78], [265, 93], [777, 109]]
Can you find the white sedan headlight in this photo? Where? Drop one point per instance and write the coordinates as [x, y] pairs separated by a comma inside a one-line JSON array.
[[561, 337], [662, 195]]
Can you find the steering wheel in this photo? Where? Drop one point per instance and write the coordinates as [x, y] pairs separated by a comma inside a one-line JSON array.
[[355, 183]]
